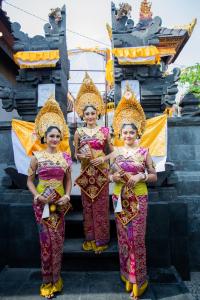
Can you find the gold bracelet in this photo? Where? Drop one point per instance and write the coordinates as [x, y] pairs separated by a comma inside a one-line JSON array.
[[36, 197], [67, 196]]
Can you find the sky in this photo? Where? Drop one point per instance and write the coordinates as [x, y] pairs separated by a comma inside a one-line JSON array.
[[89, 17]]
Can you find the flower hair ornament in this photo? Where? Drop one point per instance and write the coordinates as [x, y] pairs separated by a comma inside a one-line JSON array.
[[129, 111], [50, 115], [89, 95]]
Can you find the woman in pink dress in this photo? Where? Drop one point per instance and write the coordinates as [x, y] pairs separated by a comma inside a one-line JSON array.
[[52, 194], [90, 145], [132, 167]]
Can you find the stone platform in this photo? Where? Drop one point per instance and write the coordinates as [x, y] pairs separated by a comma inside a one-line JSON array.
[[19, 284]]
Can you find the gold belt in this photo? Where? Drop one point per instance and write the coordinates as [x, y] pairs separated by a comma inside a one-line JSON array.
[[52, 182]]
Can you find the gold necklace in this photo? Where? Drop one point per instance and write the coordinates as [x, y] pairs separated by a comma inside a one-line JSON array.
[[91, 131], [130, 151]]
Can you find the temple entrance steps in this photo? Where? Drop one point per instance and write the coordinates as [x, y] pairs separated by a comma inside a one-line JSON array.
[[165, 226], [187, 165], [23, 283], [188, 182]]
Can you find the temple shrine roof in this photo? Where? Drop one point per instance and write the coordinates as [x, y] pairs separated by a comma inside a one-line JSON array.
[[175, 38], [148, 31]]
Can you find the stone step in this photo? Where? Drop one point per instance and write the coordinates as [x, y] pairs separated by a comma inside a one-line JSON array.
[[187, 165], [193, 187], [76, 259], [188, 182], [189, 175], [20, 283], [189, 198], [25, 197]]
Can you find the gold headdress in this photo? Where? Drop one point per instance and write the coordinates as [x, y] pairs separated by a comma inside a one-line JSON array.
[[50, 115], [129, 111], [89, 95]]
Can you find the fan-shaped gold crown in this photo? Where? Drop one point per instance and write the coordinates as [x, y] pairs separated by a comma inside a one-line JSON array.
[[89, 95], [129, 111], [50, 115]]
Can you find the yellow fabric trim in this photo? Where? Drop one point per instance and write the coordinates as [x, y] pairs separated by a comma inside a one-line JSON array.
[[110, 72], [140, 189], [43, 184], [25, 133], [135, 52], [154, 137], [141, 62], [37, 55], [42, 59], [27, 66]]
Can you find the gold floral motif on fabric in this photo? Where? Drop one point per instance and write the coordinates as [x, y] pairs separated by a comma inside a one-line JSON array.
[[101, 180], [91, 181], [91, 171], [47, 158], [130, 207], [93, 132], [83, 181], [92, 190], [132, 155]]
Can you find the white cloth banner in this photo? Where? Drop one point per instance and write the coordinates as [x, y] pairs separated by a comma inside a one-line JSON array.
[[22, 161]]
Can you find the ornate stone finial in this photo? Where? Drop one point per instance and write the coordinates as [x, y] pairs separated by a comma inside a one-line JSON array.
[[109, 30], [56, 14], [124, 10], [145, 10]]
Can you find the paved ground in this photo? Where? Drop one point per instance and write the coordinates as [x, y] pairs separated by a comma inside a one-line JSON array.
[[20, 284], [194, 285], [24, 284]]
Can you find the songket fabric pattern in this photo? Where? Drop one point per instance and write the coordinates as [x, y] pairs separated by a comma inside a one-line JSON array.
[[96, 213], [51, 171], [131, 236]]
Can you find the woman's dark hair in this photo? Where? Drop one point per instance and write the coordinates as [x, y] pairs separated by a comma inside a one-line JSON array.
[[49, 129], [132, 125], [92, 106]]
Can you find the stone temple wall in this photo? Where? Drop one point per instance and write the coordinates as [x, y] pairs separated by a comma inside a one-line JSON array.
[[184, 151]]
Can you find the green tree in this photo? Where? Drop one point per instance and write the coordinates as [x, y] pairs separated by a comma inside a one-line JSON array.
[[191, 77]]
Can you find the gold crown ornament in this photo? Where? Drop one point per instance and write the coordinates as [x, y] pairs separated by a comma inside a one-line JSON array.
[[129, 111], [89, 95], [50, 115]]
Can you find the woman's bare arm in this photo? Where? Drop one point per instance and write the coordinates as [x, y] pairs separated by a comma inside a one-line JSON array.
[[31, 176], [152, 176], [68, 184]]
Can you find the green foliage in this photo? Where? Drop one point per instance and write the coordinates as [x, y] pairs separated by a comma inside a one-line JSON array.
[[191, 77]]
